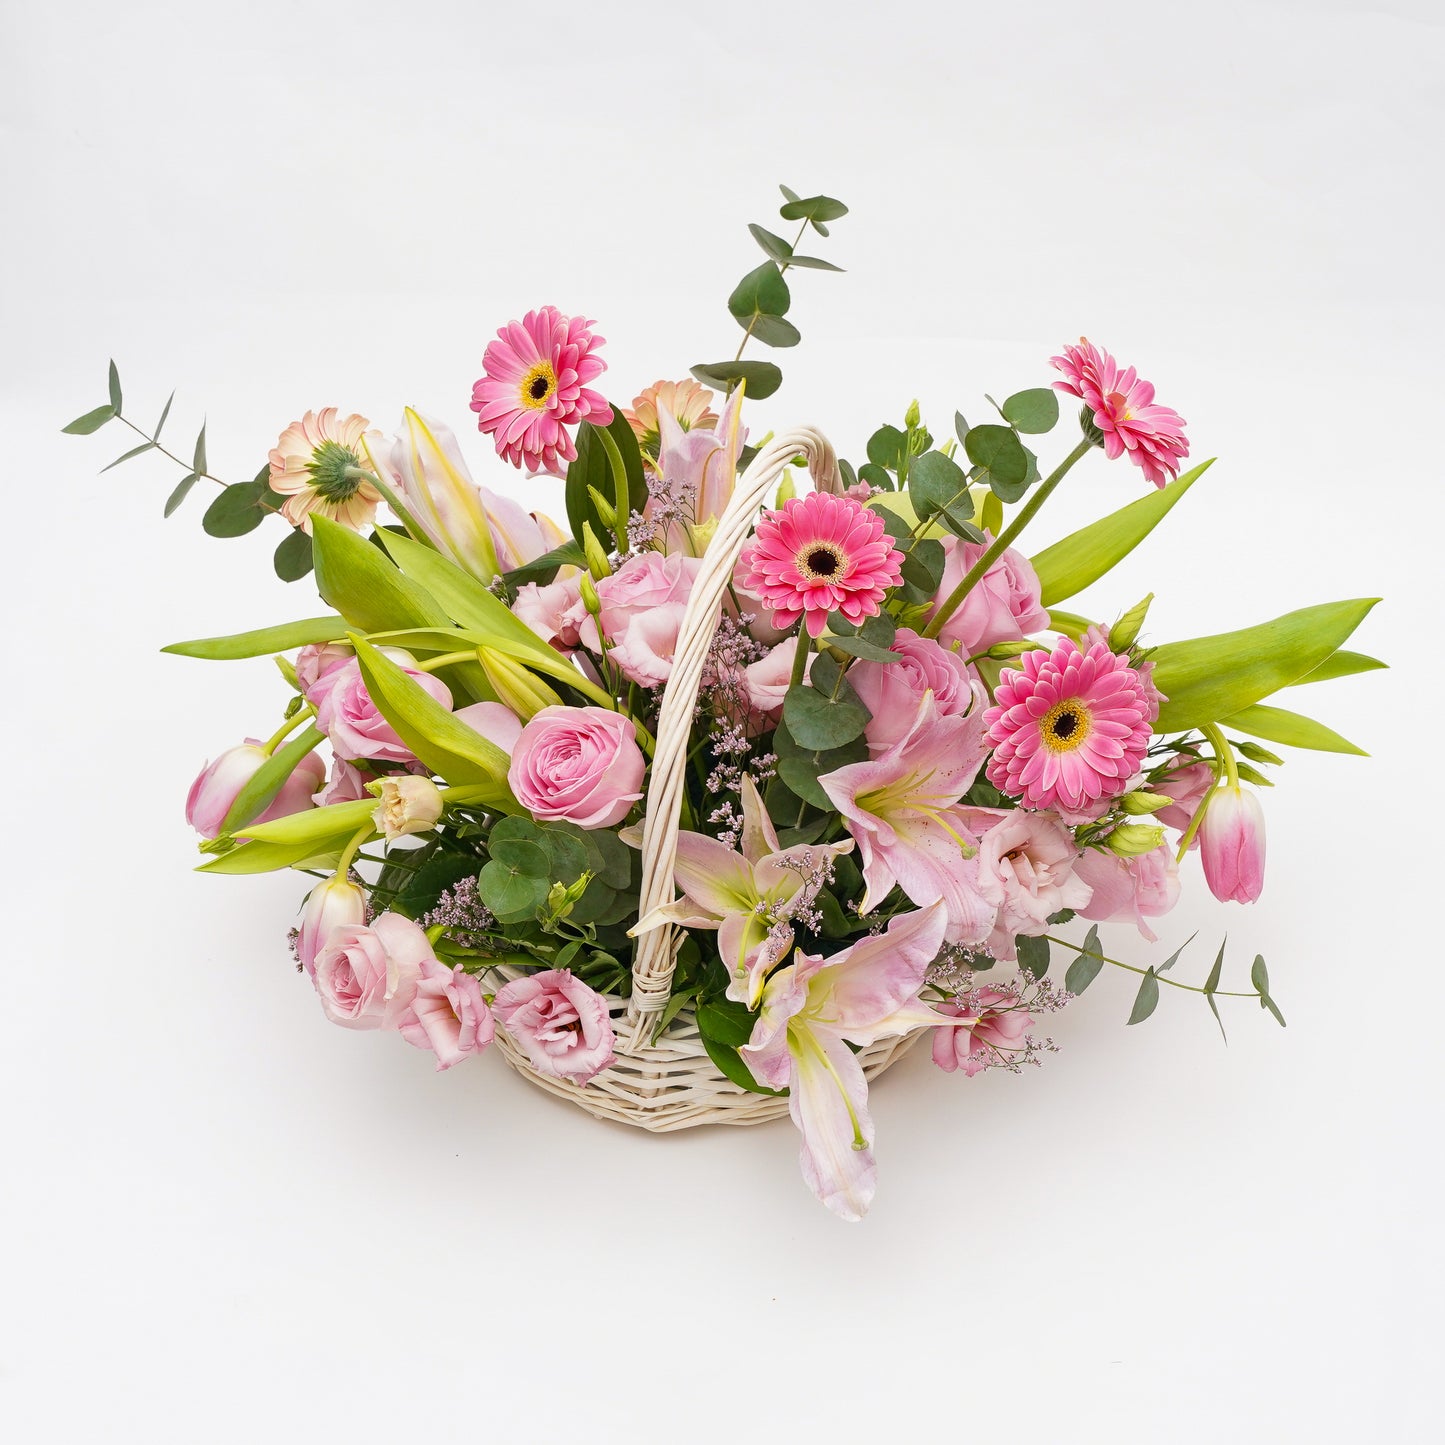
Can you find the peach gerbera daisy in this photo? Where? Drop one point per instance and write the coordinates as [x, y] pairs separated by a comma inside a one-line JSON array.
[[317, 464], [689, 404]]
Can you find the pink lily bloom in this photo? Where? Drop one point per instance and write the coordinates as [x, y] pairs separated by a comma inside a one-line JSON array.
[[748, 896], [904, 809], [812, 1010], [701, 464]]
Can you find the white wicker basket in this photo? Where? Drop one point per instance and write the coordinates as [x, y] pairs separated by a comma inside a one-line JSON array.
[[671, 1083]]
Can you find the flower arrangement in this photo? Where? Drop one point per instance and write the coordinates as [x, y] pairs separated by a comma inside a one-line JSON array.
[[705, 806]]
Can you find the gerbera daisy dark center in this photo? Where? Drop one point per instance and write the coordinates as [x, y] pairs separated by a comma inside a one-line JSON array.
[[820, 562], [1065, 726], [537, 385], [329, 466]]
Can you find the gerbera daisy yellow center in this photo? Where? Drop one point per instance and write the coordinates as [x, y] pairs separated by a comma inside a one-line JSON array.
[[537, 386], [821, 561], [1065, 726]]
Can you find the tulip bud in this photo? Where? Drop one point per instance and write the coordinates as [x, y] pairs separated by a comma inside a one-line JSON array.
[[1231, 844], [590, 600], [597, 563], [220, 782], [1141, 804], [405, 804], [1133, 840], [517, 687], [1124, 632], [332, 903]]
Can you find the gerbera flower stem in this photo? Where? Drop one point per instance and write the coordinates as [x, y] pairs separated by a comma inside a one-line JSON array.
[[800, 657], [1005, 539], [389, 496]]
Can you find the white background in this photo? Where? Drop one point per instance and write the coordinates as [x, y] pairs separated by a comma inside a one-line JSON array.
[[225, 1220]]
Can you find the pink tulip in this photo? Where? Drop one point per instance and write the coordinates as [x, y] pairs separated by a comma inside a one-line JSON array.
[[1231, 843], [332, 903], [219, 783]]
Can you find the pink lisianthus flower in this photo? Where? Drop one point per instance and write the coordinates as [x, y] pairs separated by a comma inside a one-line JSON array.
[[318, 659], [820, 554], [767, 680], [1124, 411], [1003, 606], [893, 691], [220, 782], [366, 977], [1026, 871], [352, 721], [537, 384], [1129, 890], [553, 611], [346, 784], [448, 1014], [1231, 844], [578, 765], [1069, 728], [992, 1030], [560, 1024]]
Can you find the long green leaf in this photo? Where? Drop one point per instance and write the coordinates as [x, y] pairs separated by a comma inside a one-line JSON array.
[[268, 780], [442, 741], [1084, 556], [264, 640], [267, 857], [1278, 725], [1340, 664], [1208, 678], [364, 586], [591, 468], [315, 825]]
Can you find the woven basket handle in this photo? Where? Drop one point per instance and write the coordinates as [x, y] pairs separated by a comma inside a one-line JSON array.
[[656, 953]]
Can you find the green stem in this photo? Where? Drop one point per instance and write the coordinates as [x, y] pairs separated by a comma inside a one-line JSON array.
[[1005, 539], [1172, 982], [800, 657], [348, 853], [1223, 755], [287, 728], [1222, 751], [391, 499], [166, 452]]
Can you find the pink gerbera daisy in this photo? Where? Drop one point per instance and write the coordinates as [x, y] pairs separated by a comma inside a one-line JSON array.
[[820, 554], [536, 385], [318, 466], [1124, 411], [1070, 730]]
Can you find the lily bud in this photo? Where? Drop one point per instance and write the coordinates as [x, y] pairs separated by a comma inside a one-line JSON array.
[[1231, 844], [1124, 632], [1133, 840], [517, 687], [1141, 804], [332, 903], [787, 489], [597, 563], [405, 804]]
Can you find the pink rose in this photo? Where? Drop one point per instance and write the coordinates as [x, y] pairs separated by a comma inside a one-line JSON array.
[[999, 1027], [554, 612], [346, 784], [1187, 786], [1026, 871], [1129, 890], [448, 1015], [1003, 605], [318, 659], [649, 590], [367, 977], [333, 903], [578, 765], [767, 680], [349, 718], [893, 691], [219, 783], [562, 1025]]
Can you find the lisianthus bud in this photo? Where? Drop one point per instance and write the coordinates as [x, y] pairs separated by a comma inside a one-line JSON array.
[[1133, 840], [912, 416], [517, 688], [1141, 804], [405, 804], [1231, 844], [606, 511], [592, 550], [590, 600], [1123, 633], [333, 902]]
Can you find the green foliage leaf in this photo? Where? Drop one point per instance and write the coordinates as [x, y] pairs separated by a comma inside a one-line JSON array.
[[1034, 411], [773, 246], [1175, 956], [293, 558], [510, 894], [762, 378], [126, 456], [1082, 972], [1259, 977], [1211, 985], [199, 463], [816, 210], [813, 263], [1146, 999], [886, 447], [113, 381], [1033, 955], [593, 468], [235, 511], [544, 569], [774, 331], [800, 767], [165, 412], [726, 1021], [315, 825], [182, 490], [938, 487], [1208, 678], [527, 858], [762, 292], [1279, 725], [1001, 459], [818, 721], [263, 785], [268, 857], [1340, 664], [1084, 556], [263, 640], [82, 426], [363, 584]]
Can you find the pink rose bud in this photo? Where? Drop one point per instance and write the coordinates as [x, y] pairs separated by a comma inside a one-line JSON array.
[[449, 1015], [561, 1025], [219, 783], [1231, 844], [367, 977], [406, 804], [578, 765], [333, 903]]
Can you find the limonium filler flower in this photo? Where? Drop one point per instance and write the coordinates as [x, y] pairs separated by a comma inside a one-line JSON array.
[[536, 385], [1124, 411], [1070, 730], [820, 554], [318, 466]]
